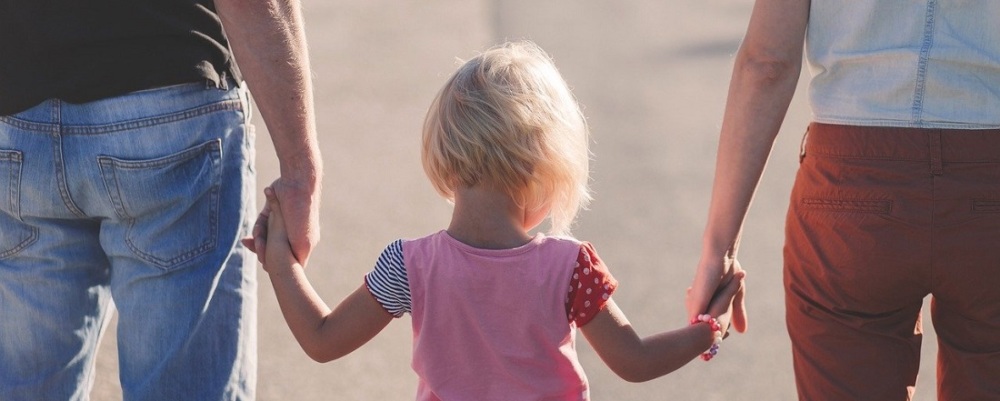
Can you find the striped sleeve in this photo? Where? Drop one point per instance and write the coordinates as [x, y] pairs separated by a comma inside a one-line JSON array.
[[388, 282]]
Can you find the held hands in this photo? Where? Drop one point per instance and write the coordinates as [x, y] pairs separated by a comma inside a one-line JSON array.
[[271, 241], [712, 283], [722, 304], [301, 217]]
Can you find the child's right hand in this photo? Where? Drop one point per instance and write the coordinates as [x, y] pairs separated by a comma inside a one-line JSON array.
[[278, 254], [721, 306]]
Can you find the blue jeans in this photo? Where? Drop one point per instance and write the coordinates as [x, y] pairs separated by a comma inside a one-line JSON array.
[[140, 199]]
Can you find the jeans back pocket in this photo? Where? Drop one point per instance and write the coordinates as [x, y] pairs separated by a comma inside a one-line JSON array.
[[14, 234], [169, 206]]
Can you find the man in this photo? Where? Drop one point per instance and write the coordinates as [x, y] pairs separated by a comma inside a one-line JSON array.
[[126, 174]]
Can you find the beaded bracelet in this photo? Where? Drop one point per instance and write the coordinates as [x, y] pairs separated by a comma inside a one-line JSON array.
[[716, 334]]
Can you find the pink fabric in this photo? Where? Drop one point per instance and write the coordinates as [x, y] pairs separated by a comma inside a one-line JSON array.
[[491, 324]]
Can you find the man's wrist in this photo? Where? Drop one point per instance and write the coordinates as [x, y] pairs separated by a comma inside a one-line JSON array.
[[305, 172]]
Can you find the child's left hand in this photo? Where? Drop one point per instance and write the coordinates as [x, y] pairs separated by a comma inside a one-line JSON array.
[[257, 241]]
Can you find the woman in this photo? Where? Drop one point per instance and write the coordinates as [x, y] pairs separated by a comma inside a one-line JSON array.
[[897, 195]]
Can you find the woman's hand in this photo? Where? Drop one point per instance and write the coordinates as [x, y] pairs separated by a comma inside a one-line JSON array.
[[727, 304], [709, 282]]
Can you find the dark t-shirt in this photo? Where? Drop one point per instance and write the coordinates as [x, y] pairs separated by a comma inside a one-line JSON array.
[[81, 51]]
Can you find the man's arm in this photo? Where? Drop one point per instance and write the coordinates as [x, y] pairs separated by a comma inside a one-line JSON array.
[[268, 41]]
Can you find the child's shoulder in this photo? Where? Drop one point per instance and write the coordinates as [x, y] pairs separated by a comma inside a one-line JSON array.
[[581, 251], [570, 241], [570, 245], [542, 242], [561, 238], [435, 236]]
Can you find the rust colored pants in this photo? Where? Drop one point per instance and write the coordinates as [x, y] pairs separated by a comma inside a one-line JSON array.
[[879, 218]]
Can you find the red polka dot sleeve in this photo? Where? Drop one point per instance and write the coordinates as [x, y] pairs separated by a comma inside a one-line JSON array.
[[590, 287]]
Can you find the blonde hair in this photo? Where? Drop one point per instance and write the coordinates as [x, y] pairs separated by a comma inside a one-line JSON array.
[[508, 120]]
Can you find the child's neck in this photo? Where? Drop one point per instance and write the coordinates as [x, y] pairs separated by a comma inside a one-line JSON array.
[[488, 219]]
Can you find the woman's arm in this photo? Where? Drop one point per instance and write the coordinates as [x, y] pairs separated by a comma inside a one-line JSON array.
[[764, 77]]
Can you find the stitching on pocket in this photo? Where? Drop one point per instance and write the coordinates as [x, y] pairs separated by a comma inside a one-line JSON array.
[[986, 206], [122, 180], [16, 230], [880, 206]]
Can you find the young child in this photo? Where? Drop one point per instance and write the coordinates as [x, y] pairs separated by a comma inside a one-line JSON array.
[[494, 308]]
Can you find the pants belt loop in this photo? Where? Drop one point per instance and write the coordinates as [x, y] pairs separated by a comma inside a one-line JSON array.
[[935, 152]]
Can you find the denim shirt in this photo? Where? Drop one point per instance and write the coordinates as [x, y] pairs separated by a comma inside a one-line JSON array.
[[905, 63]]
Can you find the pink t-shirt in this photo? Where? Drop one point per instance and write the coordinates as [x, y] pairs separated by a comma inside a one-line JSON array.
[[492, 324]]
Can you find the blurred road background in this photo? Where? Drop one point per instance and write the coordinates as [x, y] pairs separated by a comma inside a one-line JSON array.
[[652, 77]]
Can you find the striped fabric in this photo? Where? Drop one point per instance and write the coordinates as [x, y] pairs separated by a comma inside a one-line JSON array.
[[388, 282]]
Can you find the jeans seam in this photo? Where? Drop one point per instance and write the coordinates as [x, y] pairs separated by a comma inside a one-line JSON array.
[[15, 201], [226, 105], [928, 41], [109, 176], [24, 244], [15, 174], [56, 131]]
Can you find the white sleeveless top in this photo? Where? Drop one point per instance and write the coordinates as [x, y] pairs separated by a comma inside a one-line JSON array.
[[905, 63]]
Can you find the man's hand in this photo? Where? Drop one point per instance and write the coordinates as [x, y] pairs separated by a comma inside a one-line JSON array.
[[300, 206]]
